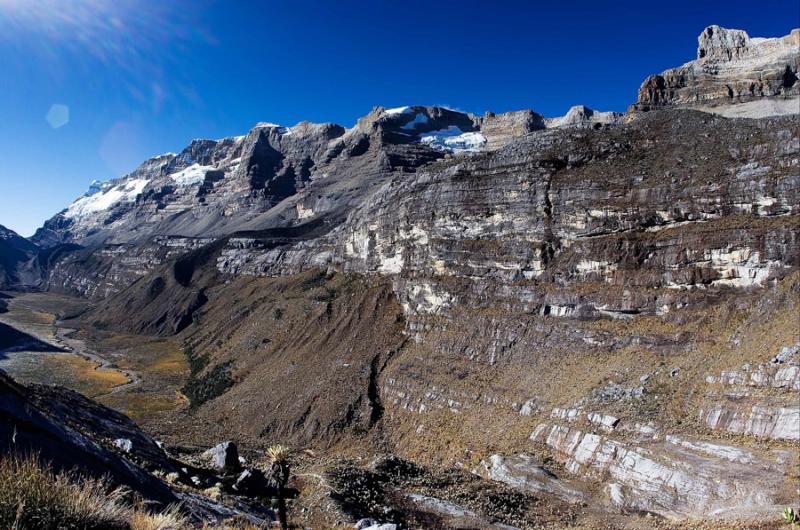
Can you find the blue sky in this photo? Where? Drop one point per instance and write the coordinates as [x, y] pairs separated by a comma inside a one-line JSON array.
[[143, 77]]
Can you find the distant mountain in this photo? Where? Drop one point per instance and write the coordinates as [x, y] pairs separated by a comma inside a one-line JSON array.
[[278, 175], [15, 253]]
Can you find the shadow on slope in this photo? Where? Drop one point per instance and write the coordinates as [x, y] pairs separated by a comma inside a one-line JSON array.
[[11, 339]]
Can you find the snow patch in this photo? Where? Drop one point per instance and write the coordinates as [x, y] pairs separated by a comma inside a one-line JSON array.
[[194, 174], [419, 119], [105, 197], [397, 110], [454, 139]]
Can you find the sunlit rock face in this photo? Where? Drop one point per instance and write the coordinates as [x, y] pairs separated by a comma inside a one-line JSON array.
[[734, 75], [575, 207]]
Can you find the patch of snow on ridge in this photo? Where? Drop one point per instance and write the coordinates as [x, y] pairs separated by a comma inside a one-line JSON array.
[[94, 188], [454, 139], [397, 110], [281, 129], [106, 197], [194, 174], [419, 119]]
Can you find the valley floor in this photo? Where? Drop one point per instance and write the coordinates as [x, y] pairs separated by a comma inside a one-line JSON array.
[[139, 376]]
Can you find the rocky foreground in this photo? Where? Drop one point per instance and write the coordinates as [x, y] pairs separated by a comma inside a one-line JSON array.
[[544, 322]]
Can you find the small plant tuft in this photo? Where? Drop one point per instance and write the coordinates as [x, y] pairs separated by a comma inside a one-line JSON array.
[[169, 519], [278, 454], [32, 495], [791, 517]]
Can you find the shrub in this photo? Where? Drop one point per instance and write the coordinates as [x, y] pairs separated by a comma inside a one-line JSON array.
[[204, 385], [318, 279], [33, 496]]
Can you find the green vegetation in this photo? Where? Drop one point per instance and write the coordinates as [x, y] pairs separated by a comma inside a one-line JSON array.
[[791, 517], [204, 383], [329, 295]]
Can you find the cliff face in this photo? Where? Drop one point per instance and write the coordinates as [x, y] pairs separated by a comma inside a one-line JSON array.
[[617, 294], [731, 68]]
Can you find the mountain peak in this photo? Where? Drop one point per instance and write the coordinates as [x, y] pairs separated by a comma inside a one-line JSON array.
[[734, 75]]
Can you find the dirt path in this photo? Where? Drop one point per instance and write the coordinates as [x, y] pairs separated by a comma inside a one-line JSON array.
[[79, 348]]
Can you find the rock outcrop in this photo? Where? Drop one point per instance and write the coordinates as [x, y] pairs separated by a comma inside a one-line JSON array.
[[581, 116], [734, 75], [65, 429]]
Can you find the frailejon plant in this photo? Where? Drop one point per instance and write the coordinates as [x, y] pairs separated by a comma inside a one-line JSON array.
[[791, 517], [278, 476]]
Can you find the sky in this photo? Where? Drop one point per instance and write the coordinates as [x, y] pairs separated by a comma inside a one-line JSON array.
[[91, 88]]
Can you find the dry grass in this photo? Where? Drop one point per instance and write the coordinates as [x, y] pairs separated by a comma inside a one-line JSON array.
[[170, 519], [33, 496], [81, 374]]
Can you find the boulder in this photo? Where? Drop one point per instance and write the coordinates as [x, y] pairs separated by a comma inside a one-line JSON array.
[[224, 457], [123, 444], [252, 483]]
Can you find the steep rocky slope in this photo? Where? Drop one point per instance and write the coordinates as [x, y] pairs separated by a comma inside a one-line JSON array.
[[734, 75], [598, 307], [69, 430]]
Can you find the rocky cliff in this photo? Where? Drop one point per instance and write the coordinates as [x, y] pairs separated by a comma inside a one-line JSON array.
[[734, 74], [601, 307]]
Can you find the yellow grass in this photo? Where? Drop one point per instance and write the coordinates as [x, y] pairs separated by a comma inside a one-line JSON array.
[[81, 374]]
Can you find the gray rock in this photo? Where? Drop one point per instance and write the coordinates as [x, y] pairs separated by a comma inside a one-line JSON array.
[[253, 483], [224, 457], [581, 116], [15, 255], [43, 420], [123, 444], [785, 353], [676, 477], [731, 70], [365, 523]]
